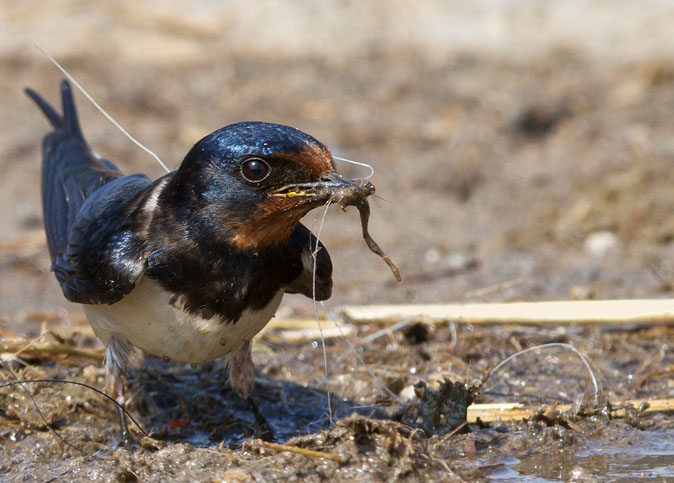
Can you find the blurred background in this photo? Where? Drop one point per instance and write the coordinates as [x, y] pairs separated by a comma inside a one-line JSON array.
[[524, 149]]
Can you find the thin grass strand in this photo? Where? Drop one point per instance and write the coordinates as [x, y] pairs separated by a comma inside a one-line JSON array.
[[360, 359], [108, 116], [357, 163], [75, 383], [37, 407], [314, 255], [550, 345]]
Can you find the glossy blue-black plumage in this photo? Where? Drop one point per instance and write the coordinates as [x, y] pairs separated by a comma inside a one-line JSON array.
[[210, 176], [253, 138], [73, 180], [105, 230]]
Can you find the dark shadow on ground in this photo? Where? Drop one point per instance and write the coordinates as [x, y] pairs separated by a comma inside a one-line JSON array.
[[197, 405]]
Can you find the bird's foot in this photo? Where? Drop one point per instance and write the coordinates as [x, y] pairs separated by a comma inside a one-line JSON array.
[[264, 430], [126, 438]]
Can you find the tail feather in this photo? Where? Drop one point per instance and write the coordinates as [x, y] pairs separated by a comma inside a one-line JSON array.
[[76, 205], [71, 172], [54, 117], [71, 122]]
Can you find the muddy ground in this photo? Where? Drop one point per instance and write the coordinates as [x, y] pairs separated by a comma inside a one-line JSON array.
[[521, 155]]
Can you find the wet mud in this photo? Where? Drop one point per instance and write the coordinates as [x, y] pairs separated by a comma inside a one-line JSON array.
[[199, 429]]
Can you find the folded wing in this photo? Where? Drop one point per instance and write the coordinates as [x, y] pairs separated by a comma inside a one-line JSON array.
[[85, 198]]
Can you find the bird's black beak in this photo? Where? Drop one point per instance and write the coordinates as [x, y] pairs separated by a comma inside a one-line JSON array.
[[331, 187]]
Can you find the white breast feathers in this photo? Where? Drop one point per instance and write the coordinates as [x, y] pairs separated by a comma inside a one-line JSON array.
[[146, 319]]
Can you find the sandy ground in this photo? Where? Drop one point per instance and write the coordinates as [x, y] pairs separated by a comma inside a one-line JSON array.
[[524, 150]]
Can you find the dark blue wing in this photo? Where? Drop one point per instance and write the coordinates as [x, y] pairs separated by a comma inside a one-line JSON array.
[[304, 243], [72, 197], [106, 251]]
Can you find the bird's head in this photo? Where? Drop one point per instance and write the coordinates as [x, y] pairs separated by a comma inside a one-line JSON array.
[[251, 182]]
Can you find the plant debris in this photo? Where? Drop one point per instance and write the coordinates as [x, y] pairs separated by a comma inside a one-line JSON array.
[[442, 411]]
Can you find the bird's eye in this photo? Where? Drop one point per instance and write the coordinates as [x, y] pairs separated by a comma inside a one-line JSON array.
[[255, 170]]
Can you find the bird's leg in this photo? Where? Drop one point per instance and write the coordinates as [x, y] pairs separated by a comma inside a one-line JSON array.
[[241, 371], [117, 378], [116, 356], [242, 380]]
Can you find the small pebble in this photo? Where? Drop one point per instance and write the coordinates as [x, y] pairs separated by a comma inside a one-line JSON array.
[[457, 261], [601, 243], [432, 256], [407, 394]]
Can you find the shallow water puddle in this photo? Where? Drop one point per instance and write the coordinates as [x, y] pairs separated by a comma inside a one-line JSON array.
[[646, 455]]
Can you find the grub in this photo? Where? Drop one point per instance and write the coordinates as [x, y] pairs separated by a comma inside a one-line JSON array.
[[355, 194]]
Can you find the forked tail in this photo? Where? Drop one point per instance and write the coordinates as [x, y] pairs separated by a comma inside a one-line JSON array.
[[71, 172], [69, 121]]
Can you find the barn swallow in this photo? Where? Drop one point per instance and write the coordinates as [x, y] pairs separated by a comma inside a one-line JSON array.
[[190, 266]]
